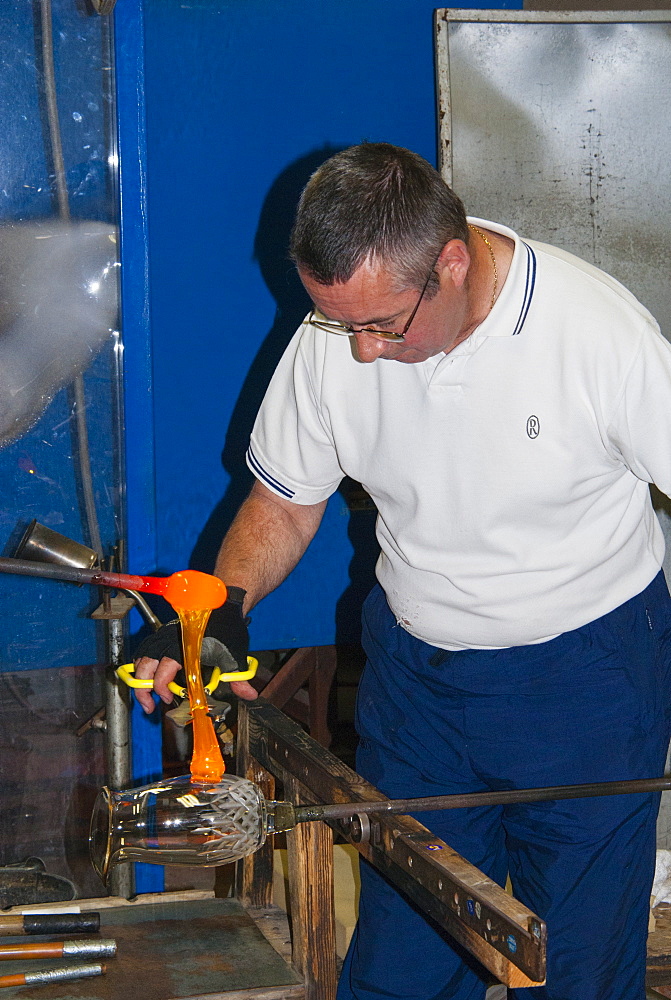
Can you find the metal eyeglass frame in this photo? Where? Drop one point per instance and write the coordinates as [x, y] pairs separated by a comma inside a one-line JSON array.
[[332, 326]]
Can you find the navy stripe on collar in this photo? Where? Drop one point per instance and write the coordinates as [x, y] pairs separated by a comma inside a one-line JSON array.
[[528, 288], [273, 483]]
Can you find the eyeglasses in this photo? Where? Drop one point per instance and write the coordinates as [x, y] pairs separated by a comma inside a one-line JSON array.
[[332, 326]]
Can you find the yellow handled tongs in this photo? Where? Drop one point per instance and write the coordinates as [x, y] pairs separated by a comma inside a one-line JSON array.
[[127, 670]]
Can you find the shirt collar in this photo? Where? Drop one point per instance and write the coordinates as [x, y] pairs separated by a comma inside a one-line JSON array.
[[508, 315]]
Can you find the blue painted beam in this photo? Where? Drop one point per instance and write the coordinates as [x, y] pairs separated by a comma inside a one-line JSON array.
[[140, 501]]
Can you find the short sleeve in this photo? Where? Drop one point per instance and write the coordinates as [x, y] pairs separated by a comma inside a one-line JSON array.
[[291, 450]]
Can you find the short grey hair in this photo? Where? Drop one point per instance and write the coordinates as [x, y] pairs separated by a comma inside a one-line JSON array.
[[375, 202]]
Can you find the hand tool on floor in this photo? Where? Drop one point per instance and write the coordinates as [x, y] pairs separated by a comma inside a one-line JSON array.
[[47, 976], [77, 948], [48, 923]]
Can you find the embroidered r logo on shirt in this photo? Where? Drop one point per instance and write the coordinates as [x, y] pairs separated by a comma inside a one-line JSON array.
[[533, 426]]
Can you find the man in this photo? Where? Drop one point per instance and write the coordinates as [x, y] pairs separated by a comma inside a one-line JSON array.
[[505, 404]]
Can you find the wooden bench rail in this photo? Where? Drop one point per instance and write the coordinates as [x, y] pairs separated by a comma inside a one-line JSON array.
[[500, 932]]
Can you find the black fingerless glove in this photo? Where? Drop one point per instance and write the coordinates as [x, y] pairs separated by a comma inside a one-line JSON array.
[[230, 627], [226, 624]]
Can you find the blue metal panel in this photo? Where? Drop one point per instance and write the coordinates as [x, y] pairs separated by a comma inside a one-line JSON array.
[[243, 102], [138, 407], [139, 437]]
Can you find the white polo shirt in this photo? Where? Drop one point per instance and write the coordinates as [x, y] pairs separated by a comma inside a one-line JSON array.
[[510, 475]]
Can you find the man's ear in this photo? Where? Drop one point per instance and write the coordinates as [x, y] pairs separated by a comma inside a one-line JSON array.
[[455, 260]]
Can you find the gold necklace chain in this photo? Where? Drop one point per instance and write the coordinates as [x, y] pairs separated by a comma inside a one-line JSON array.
[[491, 254]]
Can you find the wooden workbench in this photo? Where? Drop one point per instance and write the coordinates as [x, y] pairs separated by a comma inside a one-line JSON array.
[[181, 946], [196, 947]]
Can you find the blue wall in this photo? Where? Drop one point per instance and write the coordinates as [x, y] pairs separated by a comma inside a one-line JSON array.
[[244, 98]]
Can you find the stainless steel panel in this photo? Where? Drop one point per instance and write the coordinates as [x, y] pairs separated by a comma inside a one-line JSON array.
[[562, 130]]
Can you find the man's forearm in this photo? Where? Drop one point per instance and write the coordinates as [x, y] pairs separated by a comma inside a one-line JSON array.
[[264, 543]]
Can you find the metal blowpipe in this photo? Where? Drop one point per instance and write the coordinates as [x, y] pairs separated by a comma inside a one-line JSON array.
[[186, 589], [75, 574], [286, 815], [179, 821]]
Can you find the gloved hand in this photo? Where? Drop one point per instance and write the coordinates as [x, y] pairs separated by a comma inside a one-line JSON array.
[[226, 624], [160, 654]]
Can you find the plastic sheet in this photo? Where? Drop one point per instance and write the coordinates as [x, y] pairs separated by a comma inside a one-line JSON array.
[[58, 305], [49, 776], [58, 321]]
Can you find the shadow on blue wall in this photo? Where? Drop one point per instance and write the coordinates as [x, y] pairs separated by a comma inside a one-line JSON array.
[[271, 251]]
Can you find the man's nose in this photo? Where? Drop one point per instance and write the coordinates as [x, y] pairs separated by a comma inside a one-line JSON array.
[[368, 347]]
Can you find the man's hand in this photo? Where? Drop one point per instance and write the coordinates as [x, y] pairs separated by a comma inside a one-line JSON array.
[[159, 655], [162, 671]]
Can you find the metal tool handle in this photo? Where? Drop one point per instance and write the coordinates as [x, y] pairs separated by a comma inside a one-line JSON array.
[[467, 800], [71, 574]]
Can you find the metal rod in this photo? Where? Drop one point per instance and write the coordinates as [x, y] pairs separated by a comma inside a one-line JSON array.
[[167, 586], [118, 744], [72, 574], [145, 610], [81, 425], [84, 461], [342, 810], [53, 975], [49, 923], [78, 948], [49, 80]]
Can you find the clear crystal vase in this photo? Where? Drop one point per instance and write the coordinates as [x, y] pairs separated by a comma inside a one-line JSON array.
[[178, 822]]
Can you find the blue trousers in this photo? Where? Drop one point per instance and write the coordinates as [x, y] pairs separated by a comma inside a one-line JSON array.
[[591, 705]]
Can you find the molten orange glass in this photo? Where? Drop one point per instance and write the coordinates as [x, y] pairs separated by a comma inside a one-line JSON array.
[[207, 764], [193, 595], [188, 590]]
